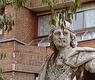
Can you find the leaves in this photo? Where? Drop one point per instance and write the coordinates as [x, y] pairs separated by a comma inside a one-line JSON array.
[[62, 16], [2, 55], [56, 20], [1, 76], [18, 3], [3, 2], [74, 1], [7, 23]]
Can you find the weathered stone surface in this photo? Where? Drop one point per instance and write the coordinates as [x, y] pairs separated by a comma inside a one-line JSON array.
[[68, 62]]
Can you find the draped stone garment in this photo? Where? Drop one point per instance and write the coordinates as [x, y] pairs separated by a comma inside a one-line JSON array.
[[78, 57]]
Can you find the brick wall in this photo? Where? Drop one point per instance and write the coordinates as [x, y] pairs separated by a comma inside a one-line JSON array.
[[7, 48], [8, 76], [24, 76], [23, 58], [29, 58], [25, 25], [19, 76], [11, 34], [25, 28]]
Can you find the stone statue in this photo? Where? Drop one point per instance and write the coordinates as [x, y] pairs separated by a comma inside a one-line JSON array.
[[68, 62]]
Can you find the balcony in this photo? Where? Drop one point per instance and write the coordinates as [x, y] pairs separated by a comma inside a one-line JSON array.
[[37, 6]]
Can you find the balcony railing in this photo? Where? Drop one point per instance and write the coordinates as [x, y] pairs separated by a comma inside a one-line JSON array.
[[37, 4]]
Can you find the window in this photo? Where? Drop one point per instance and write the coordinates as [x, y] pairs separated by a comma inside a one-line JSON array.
[[43, 25], [36, 76], [1, 31], [89, 18], [78, 22], [88, 35], [84, 19], [78, 37], [85, 22], [0, 34]]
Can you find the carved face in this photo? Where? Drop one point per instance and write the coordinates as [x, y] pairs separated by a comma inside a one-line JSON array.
[[61, 38]]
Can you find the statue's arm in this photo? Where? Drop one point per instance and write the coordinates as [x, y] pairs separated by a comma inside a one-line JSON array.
[[90, 66], [86, 58]]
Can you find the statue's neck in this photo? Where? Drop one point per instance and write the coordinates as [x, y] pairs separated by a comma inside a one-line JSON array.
[[65, 51]]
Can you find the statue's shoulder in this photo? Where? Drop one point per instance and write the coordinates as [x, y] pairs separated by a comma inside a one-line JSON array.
[[78, 50], [80, 55], [84, 49]]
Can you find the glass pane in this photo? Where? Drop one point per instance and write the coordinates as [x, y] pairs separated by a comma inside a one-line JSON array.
[[0, 28], [37, 78], [78, 38], [0, 34], [0, 31], [89, 35], [78, 22], [43, 25], [93, 34], [89, 18]]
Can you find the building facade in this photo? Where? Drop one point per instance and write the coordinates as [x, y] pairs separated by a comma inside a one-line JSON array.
[[26, 46]]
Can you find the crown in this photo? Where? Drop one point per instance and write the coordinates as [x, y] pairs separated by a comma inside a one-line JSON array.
[[68, 27]]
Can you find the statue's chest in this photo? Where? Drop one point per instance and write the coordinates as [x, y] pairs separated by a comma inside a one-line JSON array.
[[55, 71]]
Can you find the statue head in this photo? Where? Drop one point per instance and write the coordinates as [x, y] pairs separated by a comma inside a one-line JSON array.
[[62, 39]]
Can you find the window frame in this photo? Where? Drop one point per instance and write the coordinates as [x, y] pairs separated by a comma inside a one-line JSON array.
[[1, 35], [83, 29]]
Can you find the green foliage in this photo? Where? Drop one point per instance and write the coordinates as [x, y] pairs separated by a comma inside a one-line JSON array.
[[2, 56], [59, 18], [18, 3], [3, 2], [1, 76], [7, 22]]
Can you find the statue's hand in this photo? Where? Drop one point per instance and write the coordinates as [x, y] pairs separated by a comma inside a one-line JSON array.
[[90, 66]]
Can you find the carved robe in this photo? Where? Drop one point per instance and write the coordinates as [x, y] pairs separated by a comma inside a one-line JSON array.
[[74, 67]]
